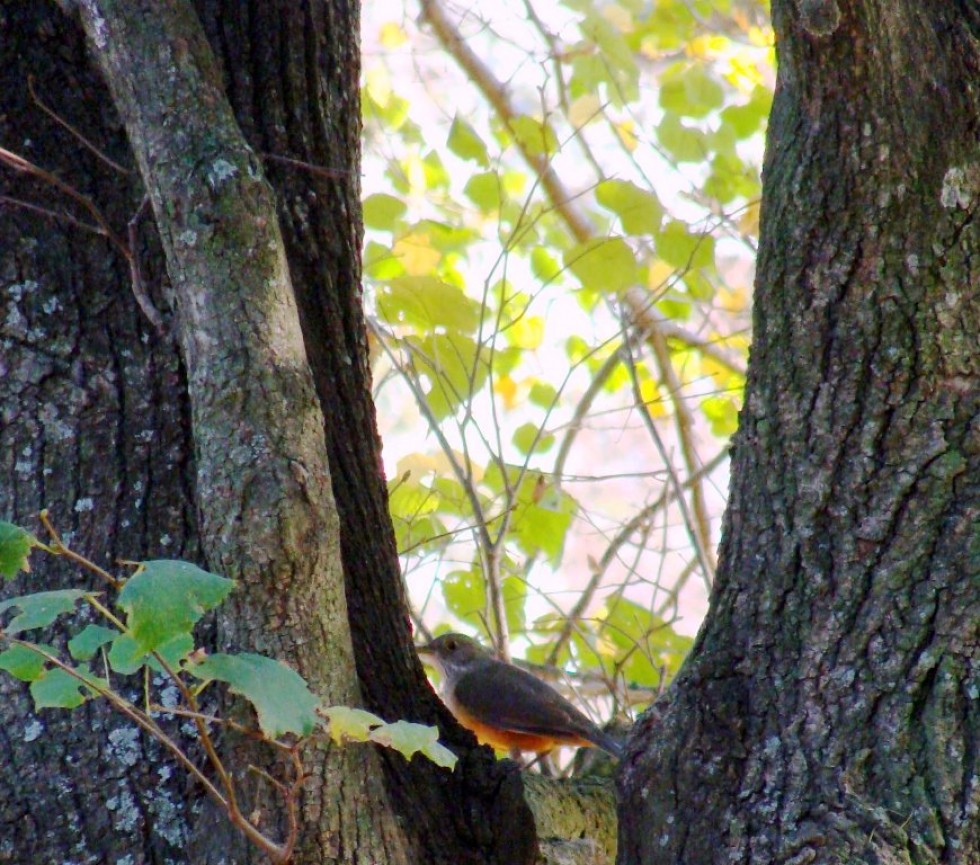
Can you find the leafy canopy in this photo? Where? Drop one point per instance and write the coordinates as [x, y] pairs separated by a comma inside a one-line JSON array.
[[561, 211]]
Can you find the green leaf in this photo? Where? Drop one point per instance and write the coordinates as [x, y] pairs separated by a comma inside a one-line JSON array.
[[427, 303], [383, 211], [526, 439], [409, 738], [542, 523], [484, 191], [722, 413], [455, 367], [514, 591], [41, 608], [126, 655], [606, 265], [629, 625], [350, 725], [466, 144], [89, 640], [412, 508], [615, 55], [381, 263], [682, 142], [589, 74], [689, 90], [544, 265], [543, 394], [465, 594], [166, 598], [23, 663], [15, 547], [638, 209], [683, 250], [731, 178], [746, 120], [534, 136], [577, 349], [436, 176], [282, 700], [57, 689]]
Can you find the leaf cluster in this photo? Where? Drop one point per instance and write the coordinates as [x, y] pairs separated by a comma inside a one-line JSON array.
[[147, 630], [558, 262]]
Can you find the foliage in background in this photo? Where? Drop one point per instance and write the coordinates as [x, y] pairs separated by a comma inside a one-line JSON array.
[[561, 212]]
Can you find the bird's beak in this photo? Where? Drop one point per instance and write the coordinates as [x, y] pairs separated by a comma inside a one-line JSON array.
[[430, 657]]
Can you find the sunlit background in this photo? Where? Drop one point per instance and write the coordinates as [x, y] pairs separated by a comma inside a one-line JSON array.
[[561, 207]]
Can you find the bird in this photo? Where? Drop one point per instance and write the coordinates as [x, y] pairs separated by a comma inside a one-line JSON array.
[[505, 706]]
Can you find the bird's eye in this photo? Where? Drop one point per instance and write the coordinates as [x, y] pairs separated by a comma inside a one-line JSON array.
[[452, 645]]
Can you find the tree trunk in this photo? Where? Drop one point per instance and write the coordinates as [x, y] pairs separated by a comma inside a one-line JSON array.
[[828, 712], [282, 107], [268, 515], [95, 425], [131, 442]]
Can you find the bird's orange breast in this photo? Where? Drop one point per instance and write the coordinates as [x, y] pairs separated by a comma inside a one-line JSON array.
[[505, 740]]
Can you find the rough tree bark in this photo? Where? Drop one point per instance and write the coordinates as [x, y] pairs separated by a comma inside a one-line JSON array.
[[283, 108], [268, 517], [95, 424], [209, 452], [828, 712]]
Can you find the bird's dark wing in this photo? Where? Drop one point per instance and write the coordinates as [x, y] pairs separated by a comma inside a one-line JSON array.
[[509, 698]]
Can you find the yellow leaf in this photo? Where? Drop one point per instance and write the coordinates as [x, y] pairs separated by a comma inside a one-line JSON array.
[[762, 36], [378, 85], [619, 16], [417, 464], [506, 388], [744, 72], [514, 183], [392, 35], [583, 109], [732, 299], [526, 332], [624, 129], [720, 374], [420, 464], [655, 403], [659, 274], [707, 46], [748, 222], [416, 254]]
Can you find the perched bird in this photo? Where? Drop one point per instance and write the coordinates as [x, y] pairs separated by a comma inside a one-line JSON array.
[[503, 705]]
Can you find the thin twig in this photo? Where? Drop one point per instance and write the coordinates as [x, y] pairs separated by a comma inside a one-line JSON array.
[[60, 548], [135, 273], [229, 800], [72, 130], [500, 100], [18, 163], [52, 214], [332, 173], [689, 522]]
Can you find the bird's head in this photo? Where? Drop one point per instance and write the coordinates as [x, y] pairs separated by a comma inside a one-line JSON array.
[[452, 654]]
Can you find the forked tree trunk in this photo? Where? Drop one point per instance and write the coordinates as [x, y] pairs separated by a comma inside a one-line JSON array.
[[304, 108], [102, 424], [829, 710]]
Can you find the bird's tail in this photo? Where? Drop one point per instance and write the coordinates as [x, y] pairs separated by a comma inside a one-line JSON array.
[[603, 740]]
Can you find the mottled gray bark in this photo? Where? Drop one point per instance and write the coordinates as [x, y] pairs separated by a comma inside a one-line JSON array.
[[266, 503], [828, 712], [282, 107], [94, 424], [222, 464]]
